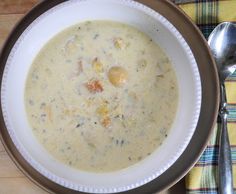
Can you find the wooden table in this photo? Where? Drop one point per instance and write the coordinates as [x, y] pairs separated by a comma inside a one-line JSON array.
[[12, 180]]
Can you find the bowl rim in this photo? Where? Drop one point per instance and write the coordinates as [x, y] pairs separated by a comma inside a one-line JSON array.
[[209, 107]]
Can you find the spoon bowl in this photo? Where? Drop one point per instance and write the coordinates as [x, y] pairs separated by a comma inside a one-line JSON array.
[[222, 42]]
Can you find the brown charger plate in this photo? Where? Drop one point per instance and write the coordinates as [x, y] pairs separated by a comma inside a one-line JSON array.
[[209, 107]]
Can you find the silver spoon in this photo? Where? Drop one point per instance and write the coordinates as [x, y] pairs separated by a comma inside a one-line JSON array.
[[222, 42]]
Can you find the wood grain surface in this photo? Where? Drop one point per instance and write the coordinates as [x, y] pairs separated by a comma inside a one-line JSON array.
[[12, 180]]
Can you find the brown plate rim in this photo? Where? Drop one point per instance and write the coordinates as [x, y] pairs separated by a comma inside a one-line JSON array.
[[208, 113]]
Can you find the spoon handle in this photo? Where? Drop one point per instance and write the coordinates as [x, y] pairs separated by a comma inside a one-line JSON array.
[[225, 161]]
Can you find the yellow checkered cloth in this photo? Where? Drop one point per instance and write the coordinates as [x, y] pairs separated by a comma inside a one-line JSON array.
[[203, 176]]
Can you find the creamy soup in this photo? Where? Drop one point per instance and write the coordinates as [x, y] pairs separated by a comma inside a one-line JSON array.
[[101, 96]]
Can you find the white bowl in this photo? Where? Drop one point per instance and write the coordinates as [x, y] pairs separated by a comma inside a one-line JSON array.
[[54, 21]]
